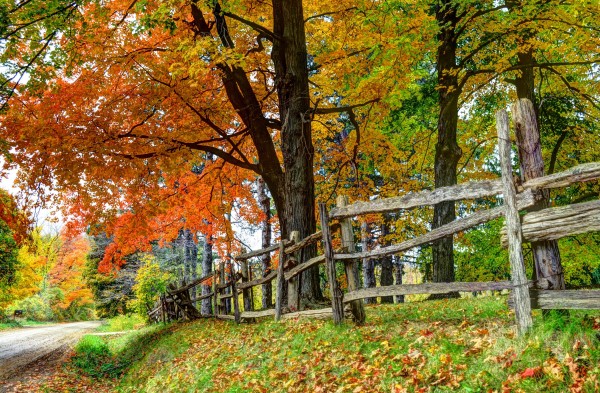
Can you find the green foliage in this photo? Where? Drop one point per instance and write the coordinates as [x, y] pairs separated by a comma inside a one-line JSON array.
[[580, 256], [479, 255], [151, 282], [37, 307], [121, 323], [8, 256]]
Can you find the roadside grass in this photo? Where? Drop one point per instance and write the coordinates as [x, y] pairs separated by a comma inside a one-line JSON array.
[[10, 324], [122, 323], [463, 345]]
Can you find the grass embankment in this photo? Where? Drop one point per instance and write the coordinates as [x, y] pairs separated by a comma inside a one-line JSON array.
[[465, 345], [10, 324]]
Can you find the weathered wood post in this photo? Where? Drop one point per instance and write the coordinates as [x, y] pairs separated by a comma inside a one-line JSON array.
[[351, 266], [293, 283], [513, 228], [546, 256], [280, 282], [246, 292], [236, 300], [215, 296], [337, 305], [368, 263]]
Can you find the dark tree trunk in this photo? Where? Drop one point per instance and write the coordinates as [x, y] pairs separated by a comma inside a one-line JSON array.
[[207, 268], [290, 60], [291, 186], [399, 270], [368, 264], [447, 152], [265, 205], [387, 267]]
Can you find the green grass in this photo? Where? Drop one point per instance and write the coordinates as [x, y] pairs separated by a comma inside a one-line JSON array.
[[464, 345], [10, 324], [122, 323]]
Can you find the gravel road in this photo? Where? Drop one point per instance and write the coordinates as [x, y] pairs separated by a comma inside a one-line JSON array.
[[22, 347]]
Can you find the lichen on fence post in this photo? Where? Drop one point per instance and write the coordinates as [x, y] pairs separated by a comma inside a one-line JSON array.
[[351, 266], [513, 225]]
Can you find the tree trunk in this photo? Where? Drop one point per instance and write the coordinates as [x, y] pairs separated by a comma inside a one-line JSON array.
[[290, 62], [368, 264], [447, 152], [265, 205], [387, 275], [548, 271], [191, 259], [207, 268]]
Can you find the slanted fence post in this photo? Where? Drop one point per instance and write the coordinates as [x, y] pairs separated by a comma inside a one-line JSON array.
[[337, 305], [546, 256], [351, 266], [293, 283], [513, 228], [280, 282]]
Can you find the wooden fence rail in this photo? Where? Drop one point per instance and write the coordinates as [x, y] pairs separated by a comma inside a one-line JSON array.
[[546, 224]]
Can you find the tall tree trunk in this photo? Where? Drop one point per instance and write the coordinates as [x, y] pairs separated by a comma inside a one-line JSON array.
[[207, 268], [290, 60], [191, 259], [387, 274], [548, 270], [447, 152], [265, 205], [368, 264]]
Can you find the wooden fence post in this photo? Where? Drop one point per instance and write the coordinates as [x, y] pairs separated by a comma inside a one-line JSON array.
[[351, 266], [293, 283], [236, 301], [215, 297], [337, 305], [280, 282], [247, 292], [513, 228]]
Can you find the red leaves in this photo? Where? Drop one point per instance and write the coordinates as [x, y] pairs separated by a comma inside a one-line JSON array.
[[532, 372]]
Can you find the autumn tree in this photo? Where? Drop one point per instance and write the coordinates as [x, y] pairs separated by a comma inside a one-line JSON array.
[[149, 86]]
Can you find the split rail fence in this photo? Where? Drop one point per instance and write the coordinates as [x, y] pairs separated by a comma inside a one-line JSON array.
[[546, 224]]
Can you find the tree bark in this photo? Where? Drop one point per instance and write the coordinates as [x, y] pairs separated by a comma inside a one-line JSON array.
[[290, 60], [548, 267], [447, 152], [207, 268], [368, 263], [265, 205]]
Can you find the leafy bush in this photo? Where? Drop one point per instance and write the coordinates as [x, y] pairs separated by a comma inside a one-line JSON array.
[[151, 282], [122, 323], [93, 357]]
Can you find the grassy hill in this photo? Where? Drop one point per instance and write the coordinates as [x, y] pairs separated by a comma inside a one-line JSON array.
[[464, 345]]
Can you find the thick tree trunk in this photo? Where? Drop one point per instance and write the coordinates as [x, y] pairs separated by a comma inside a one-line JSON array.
[[368, 264], [290, 62], [265, 205], [548, 267], [207, 268], [387, 267], [447, 152]]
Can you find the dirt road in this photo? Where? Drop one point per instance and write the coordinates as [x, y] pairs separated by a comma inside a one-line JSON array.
[[21, 348]]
